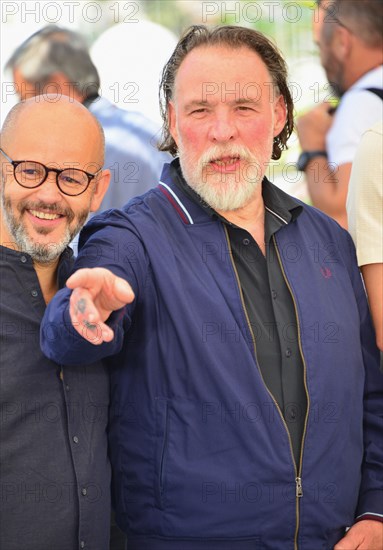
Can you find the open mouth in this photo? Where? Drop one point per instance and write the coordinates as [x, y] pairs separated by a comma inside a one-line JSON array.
[[223, 161], [224, 164], [45, 215]]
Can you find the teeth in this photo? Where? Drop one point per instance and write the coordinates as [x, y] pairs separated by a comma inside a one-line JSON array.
[[225, 162], [44, 215]]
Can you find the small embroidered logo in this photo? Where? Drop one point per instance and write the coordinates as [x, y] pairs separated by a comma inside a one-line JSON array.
[[326, 272]]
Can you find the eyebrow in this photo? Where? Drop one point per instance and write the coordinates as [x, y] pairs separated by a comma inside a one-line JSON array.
[[245, 100], [237, 101], [196, 103]]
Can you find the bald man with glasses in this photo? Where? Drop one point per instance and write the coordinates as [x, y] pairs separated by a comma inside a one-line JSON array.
[[55, 473]]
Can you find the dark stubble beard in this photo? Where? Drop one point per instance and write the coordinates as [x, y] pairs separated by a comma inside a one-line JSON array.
[[40, 253]]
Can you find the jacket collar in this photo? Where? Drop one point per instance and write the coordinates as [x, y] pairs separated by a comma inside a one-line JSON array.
[[192, 209]]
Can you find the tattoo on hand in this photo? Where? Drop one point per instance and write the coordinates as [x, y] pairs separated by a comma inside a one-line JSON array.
[[80, 309], [89, 325], [81, 305]]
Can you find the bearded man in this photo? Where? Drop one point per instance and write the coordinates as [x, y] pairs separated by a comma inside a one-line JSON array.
[[235, 325]]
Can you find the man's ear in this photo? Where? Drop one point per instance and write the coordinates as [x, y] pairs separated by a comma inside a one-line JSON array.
[[172, 121], [342, 44], [101, 187], [280, 115]]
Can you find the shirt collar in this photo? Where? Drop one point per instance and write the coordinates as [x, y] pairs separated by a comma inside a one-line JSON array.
[[373, 78], [281, 208], [63, 269]]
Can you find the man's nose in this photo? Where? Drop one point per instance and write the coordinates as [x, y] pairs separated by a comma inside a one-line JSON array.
[[49, 191], [223, 128]]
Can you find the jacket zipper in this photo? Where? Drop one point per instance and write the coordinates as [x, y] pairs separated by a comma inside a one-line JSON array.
[[298, 479]]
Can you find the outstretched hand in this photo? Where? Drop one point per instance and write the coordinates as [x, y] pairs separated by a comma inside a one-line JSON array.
[[97, 292]]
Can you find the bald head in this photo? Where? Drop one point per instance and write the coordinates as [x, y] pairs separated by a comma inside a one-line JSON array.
[[40, 214], [47, 121]]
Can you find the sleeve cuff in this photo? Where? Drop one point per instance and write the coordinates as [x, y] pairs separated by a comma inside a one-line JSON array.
[[370, 515]]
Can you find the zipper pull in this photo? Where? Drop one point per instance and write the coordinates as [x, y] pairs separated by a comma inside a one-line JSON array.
[[299, 491]]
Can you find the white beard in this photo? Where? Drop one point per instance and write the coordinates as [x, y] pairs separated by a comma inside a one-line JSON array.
[[223, 191]]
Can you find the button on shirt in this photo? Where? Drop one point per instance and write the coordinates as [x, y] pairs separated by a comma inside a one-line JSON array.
[[269, 306], [55, 474]]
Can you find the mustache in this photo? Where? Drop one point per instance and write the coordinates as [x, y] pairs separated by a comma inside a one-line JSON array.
[[53, 208], [218, 152]]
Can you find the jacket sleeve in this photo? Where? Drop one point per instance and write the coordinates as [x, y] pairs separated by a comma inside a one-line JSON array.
[[370, 505], [121, 252]]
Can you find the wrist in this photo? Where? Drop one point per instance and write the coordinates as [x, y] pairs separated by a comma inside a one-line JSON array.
[[307, 156], [369, 516]]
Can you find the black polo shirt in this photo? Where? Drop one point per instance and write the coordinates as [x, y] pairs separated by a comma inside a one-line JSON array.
[[269, 304]]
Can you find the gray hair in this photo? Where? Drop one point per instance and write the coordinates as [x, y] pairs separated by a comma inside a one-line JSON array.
[[54, 49], [234, 37], [363, 17]]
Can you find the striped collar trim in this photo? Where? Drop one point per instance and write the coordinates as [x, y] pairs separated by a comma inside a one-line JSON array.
[[176, 203], [185, 214], [276, 215]]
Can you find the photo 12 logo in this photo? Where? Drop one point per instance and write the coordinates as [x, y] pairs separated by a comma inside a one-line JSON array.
[[54, 12], [252, 12]]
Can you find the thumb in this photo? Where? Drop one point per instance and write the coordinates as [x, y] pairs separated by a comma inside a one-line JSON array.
[[123, 291], [115, 293]]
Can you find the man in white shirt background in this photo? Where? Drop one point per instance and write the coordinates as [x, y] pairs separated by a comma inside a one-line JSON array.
[[350, 39]]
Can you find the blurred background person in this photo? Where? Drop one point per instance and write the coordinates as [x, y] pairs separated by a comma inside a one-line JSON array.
[[57, 60], [131, 80], [349, 34], [365, 219]]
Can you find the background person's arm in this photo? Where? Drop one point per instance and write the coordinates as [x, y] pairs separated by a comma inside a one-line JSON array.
[[373, 279], [365, 210], [327, 182], [327, 185]]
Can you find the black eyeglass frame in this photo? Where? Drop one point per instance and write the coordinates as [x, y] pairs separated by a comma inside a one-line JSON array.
[[16, 163]]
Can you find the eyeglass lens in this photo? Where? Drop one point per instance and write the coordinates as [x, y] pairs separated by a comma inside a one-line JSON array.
[[70, 180]]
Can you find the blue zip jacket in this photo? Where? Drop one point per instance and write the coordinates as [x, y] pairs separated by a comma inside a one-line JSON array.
[[201, 454]]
